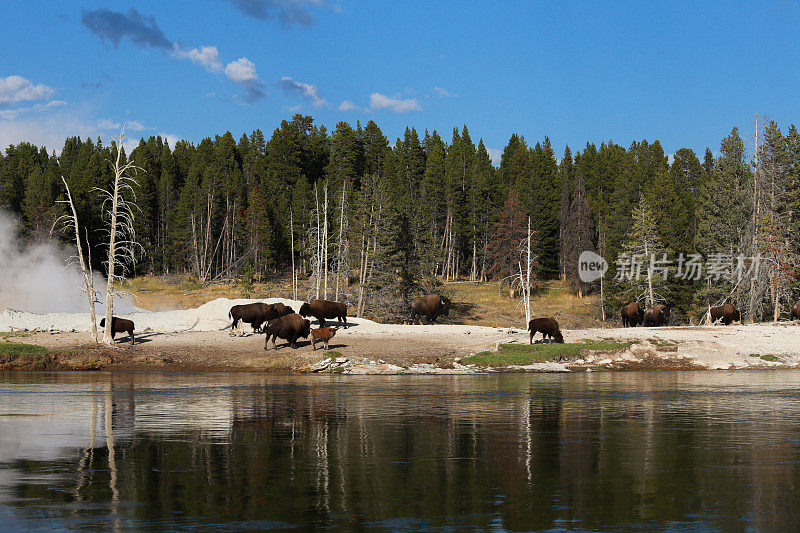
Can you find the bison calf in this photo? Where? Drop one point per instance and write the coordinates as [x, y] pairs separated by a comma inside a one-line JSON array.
[[120, 325], [322, 334], [725, 313], [290, 328], [322, 309], [547, 326]]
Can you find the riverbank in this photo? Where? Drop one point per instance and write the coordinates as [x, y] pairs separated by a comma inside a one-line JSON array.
[[369, 347]]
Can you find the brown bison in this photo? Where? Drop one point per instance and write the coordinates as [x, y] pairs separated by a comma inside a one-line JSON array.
[[725, 313], [632, 314], [322, 334], [795, 312], [431, 306], [658, 315], [322, 309], [257, 314], [290, 328], [547, 326], [120, 325]]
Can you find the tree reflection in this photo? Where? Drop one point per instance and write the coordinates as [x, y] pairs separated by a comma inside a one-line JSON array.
[[516, 451]]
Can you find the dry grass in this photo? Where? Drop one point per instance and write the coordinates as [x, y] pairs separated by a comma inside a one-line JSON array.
[[475, 303], [483, 305], [157, 294]]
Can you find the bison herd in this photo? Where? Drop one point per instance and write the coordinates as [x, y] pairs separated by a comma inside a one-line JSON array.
[[279, 321], [632, 314]]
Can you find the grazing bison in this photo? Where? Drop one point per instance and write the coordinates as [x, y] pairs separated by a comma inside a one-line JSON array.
[[431, 306], [120, 325], [658, 315], [257, 314], [322, 309], [290, 328], [725, 313], [795, 313], [322, 334], [547, 326], [632, 314]]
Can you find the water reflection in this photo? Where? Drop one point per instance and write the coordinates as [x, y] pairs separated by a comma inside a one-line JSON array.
[[516, 452]]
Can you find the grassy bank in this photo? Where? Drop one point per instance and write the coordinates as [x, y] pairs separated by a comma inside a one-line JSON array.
[[526, 354], [28, 356]]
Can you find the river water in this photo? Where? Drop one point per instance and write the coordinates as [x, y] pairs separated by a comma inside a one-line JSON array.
[[595, 451]]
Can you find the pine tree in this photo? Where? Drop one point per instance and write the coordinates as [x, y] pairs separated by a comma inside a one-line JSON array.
[[509, 232], [643, 248]]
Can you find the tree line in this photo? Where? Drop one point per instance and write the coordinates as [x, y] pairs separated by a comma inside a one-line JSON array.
[[379, 223]]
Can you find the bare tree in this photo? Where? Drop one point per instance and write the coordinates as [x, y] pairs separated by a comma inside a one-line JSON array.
[[294, 269], [318, 244], [71, 222], [342, 266], [119, 205], [525, 272]]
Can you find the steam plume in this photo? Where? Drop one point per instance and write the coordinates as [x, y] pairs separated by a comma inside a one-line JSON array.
[[37, 278]]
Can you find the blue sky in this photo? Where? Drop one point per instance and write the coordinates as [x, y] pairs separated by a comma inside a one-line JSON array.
[[683, 73]]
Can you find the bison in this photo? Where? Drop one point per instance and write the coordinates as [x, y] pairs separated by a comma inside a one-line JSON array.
[[725, 313], [432, 306], [290, 328], [322, 334], [795, 312], [322, 309], [632, 314], [120, 325], [658, 315], [547, 326], [257, 314]]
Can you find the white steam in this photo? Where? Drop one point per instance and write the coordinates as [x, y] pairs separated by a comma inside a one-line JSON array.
[[37, 278]]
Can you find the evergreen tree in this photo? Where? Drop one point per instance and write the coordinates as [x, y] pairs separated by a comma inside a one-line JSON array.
[[643, 250]]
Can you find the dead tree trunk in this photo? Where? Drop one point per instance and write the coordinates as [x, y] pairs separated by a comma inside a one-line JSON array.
[[88, 281], [120, 221]]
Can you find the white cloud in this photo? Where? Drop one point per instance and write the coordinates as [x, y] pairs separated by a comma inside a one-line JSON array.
[[171, 139], [108, 124], [15, 89], [306, 90], [443, 92], [396, 104], [347, 105], [8, 114], [241, 71], [52, 128], [49, 130], [496, 154], [135, 125], [207, 56]]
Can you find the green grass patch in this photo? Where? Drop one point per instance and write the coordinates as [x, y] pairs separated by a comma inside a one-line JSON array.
[[769, 357], [12, 350], [333, 354], [526, 354], [38, 356]]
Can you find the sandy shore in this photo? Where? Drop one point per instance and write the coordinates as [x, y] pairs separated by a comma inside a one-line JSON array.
[[377, 348], [200, 339]]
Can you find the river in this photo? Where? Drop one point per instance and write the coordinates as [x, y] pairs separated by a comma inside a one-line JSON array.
[[595, 451]]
